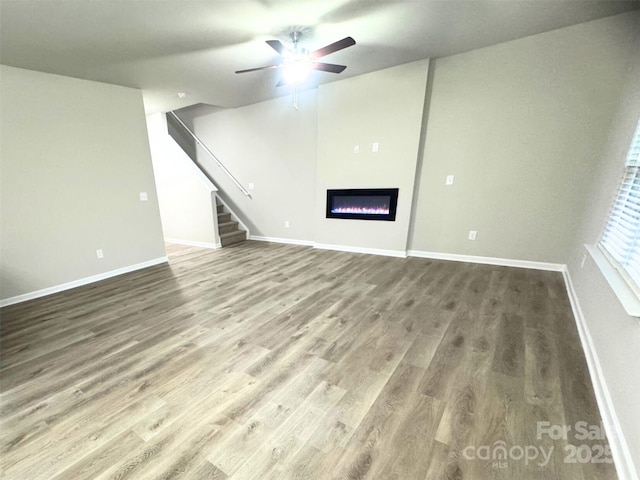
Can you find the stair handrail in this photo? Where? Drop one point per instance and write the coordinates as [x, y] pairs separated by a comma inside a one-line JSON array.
[[206, 149]]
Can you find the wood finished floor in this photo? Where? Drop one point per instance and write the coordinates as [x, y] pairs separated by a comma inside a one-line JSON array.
[[266, 361]]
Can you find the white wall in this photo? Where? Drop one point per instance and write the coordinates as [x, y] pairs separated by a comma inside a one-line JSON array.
[[520, 126], [273, 146], [74, 157], [384, 107], [186, 197], [615, 335]]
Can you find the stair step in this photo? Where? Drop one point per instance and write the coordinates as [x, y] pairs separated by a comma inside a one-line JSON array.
[[233, 237], [220, 208], [224, 218], [227, 227]]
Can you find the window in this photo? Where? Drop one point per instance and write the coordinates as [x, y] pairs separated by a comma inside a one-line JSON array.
[[621, 237]]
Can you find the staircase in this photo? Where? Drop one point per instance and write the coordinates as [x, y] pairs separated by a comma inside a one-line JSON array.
[[228, 229]]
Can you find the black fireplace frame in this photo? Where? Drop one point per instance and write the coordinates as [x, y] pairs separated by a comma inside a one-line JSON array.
[[392, 193]]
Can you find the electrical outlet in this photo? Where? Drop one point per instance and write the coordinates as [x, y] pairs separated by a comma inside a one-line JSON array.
[[286, 224], [449, 180], [99, 253], [143, 196], [356, 149], [375, 147], [472, 234]]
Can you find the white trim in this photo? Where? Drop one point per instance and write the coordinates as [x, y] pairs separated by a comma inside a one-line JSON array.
[[290, 241], [504, 262], [80, 282], [370, 251], [618, 284], [620, 452], [190, 243]]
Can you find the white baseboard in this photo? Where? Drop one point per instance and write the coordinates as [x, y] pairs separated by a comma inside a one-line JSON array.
[[190, 243], [619, 449], [503, 262], [370, 251], [289, 241], [78, 283]]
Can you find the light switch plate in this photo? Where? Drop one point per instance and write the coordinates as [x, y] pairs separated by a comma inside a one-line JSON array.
[[449, 180], [143, 196]]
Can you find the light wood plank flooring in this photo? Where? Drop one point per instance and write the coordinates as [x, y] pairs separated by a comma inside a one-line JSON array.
[[266, 361]]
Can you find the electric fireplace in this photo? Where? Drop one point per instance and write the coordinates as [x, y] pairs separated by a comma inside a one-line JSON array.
[[363, 204]]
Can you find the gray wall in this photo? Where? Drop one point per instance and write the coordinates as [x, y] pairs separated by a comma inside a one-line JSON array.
[[74, 156], [273, 146], [384, 107], [615, 335], [293, 156], [520, 125]]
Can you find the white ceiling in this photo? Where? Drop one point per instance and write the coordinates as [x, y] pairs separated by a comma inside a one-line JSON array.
[[169, 46]]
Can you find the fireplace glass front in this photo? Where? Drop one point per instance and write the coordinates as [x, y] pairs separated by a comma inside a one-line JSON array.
[[363, 204]]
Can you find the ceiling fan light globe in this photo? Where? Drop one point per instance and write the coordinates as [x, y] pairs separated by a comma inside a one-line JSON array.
[[296, 72]]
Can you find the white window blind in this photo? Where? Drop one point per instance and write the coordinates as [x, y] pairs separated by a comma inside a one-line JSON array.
[[621, 236]]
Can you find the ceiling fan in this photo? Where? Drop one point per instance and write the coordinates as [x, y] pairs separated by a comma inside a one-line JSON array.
[[297, 62]]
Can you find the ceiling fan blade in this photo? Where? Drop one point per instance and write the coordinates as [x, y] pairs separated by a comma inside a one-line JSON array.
[[333, 47], [278, 46], [328, 67], [258, 68]]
